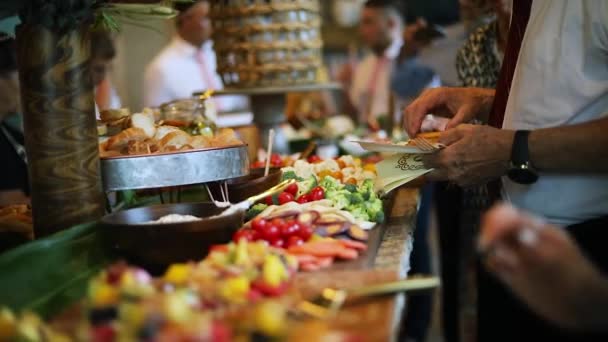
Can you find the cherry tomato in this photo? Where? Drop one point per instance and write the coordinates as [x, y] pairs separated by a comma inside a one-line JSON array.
[[268, 200], [220, 248], [294, 241], [341, 163], [104, 333], [243, 234], [314, 159], [291, 228], [285, 197], [278, 243], [276, 160], [303, 199], [317, 194], [258, 224], [351, 181], [270, 233], [277, 221], [306, 232], [292, 189], [258, 164], [256, 235]]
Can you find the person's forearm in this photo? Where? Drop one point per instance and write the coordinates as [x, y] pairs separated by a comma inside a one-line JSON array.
[[576, 148]]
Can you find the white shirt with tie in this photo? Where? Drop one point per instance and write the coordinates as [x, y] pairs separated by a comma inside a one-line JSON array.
[[181, 69]]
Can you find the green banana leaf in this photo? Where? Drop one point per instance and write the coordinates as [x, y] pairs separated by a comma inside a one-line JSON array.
[[48, 275]]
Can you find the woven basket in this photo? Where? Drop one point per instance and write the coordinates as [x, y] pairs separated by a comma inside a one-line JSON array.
[[262, 43]]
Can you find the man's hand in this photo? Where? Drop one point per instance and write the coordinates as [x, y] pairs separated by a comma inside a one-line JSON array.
[[545, 268], [460, 104], [474, 154]]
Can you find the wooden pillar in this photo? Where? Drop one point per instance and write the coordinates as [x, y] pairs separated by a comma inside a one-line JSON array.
[[60, 129]]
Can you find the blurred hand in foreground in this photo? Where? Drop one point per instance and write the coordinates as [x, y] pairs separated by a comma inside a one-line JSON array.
[[542, 265]]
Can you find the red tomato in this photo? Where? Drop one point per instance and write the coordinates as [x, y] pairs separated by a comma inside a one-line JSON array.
[[276, 160], [294, 240], [270, 233], [291, 228], [258, 164], [278, 243], [103, 333], [220, 248], [314, 159], [277, 221], [303, 199], [256, 235], [268, 200], [243, 234], [285, 197], [306, 232], [317, 194], [292, 189], [258, 224]]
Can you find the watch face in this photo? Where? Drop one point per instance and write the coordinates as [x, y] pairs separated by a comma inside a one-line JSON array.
[[522, 175]]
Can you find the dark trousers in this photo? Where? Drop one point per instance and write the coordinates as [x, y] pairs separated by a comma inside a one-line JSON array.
[[503, 317], [448, 203], [419, 306]]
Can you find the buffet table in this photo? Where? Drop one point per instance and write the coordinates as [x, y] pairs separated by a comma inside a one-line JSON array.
[[386, 260]]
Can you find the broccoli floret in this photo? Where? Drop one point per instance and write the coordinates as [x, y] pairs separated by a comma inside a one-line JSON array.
[[350, 187], [367, 186], [305, 186], [255, 211], [366, 195], [330, 183], [360, 214], [379, 217], [340, 198], [291, 175], [373, 207], [356, 198]]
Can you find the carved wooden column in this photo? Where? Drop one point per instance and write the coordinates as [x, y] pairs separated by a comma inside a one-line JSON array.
[[60, 128]]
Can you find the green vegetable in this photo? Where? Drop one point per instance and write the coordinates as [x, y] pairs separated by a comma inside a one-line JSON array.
[[360, 214], [305, 186], [255, 211], [330, 183], [379, 217], [291, 175], [356, 198], [350, 187], [341, 199]]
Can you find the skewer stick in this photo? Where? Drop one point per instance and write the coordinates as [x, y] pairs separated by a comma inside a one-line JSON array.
[[269, 152], [226, 190], [209, 193], [222, 191]]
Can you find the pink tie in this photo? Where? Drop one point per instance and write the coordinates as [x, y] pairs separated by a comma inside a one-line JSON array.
[[210, 81]]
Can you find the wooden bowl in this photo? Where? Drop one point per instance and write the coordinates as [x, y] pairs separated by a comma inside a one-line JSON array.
[[155, 246], [241, 188]]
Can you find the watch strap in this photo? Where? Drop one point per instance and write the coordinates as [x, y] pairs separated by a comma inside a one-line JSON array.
[[520, 153]]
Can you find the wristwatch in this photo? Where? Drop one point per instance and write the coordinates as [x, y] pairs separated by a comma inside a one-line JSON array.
[[521, 170]]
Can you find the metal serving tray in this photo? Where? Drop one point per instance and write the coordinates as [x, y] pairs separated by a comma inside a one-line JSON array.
[[174, 169]]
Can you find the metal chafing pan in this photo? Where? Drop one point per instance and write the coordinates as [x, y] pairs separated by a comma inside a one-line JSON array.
[[174, 169]]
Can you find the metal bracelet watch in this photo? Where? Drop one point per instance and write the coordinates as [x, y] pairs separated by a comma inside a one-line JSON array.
[[521, 170]]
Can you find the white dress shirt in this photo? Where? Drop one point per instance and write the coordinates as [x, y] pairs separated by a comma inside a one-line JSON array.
[[181, 69], [561, 79], [371, 82]]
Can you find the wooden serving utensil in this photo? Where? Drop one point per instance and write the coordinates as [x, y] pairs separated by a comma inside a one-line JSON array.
[[330, 301]]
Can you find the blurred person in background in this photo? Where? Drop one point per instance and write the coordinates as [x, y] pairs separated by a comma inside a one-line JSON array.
[[188, 63], [368, 82], [526, 254], [102, 54], [14, 185]]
